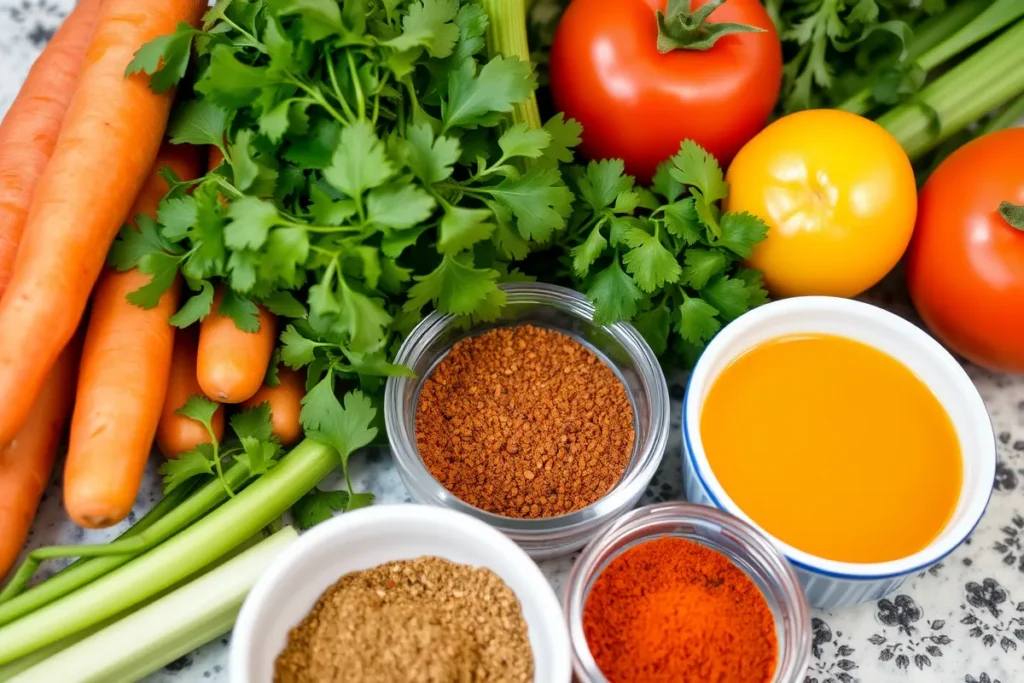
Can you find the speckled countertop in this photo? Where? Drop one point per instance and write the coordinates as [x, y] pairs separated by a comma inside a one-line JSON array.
[[960, 621]]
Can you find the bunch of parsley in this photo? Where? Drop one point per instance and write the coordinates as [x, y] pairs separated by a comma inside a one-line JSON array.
[[665, 258], [371, 170]]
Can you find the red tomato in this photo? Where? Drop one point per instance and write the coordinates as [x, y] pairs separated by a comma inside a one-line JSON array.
[[965, 264], [638, 104]]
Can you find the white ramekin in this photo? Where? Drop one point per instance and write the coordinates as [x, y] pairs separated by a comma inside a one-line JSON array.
[[829, 583], [372, 536]]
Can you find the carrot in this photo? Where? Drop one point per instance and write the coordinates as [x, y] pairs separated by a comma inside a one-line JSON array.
[[216, 157], [285, 403], [26, 463], [29, 131], [123, 377], [177, 434], [231, 364], [109, 140]]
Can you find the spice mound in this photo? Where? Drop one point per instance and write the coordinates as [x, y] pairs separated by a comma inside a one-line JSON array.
[[426, 620], [675, 611], [524, 422]]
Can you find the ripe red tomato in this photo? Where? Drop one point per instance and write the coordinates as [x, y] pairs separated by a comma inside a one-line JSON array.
[[638, 104], [965, 264]]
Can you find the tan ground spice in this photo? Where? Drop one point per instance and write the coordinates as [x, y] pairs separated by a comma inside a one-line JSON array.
[[426, 620], [524, 422]]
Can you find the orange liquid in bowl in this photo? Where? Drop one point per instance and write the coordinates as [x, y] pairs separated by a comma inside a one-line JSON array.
[[834, 448]]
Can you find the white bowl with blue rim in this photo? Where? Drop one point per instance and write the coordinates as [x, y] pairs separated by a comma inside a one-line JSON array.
[[828, 583]]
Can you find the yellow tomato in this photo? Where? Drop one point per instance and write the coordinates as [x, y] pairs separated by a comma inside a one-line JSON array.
[[838, 194]]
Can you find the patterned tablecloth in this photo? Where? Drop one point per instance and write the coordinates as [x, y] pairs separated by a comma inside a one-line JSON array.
[[962, 621]]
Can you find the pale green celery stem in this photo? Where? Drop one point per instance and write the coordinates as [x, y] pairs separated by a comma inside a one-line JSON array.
[[988, 79], [506, 36], [86, 571], [165, 629], [1008, 117], [179, 557], [925, 44]]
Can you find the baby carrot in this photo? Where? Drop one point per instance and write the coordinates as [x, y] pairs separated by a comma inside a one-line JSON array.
[[177, 434], [285, 404], [122, 378], [231, 364]]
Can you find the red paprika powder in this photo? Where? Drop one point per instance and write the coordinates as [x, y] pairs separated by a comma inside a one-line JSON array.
[[673, 610]]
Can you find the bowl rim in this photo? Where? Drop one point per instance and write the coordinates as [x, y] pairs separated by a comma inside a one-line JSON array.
[[502, 550], [587, 565], [630, 487], [911, 335]]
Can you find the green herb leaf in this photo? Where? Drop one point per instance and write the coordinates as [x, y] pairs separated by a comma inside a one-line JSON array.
[[649, 262], [164, 59], [240, 309], [698, 320], [455, 286], [360, 162], [522, 141], [584, 254], [196, 308], [702, 265], [198, 122], [462, 228], [614, 294], [429, 158], [604, 182], [474, 99], [251, 220], [194, 463], [694, 166], [728, 295], [539, 201], [429, 24], [740, 232], [320, 18], [399, 206], [318, 506]]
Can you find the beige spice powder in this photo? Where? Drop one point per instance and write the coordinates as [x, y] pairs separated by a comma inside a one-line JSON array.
[[426, 620], [524, 422]]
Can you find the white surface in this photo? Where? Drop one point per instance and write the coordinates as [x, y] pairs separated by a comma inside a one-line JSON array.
[[370, 537]]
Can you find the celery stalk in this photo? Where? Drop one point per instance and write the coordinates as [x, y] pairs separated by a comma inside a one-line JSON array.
[[177, 558], [986, 80], [167, 628], [116, 554], [506, 36]]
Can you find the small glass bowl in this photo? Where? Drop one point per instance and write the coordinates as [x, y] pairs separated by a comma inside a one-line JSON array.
[[620, 346], [743, 544]]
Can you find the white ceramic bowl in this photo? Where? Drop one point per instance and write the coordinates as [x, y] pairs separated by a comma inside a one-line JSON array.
[[370, 537], [825, 582]]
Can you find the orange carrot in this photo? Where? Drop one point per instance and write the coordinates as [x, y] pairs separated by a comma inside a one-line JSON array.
[[177, 434], [29, 130], [231, 364], [109, 140], [216, 157], [285, 403], [122, 378], [26, 463]]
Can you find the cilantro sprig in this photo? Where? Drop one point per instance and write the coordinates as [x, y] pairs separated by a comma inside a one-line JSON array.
[[666, 257]]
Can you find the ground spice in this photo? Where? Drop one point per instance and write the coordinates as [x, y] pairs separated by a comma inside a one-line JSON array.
[[426, 620], [673, 610], [524, 422]]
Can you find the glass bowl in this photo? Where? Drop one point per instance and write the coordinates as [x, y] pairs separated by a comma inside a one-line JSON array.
[[749, 550], [620, 346]]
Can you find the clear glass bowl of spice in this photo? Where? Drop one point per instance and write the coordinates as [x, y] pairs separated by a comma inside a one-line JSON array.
[[543, 423], [684, 592]]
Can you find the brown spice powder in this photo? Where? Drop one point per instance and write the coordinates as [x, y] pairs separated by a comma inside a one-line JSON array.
[[426, 620], [524, 422]]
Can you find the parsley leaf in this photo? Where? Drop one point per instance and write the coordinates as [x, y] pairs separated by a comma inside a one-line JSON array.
[[196, 308], [702, 265], [198, 122], [740, 232], [429, 158], [455, 286], [698, 320], [429, 24], [649, 262], [194, 463], [474, 99], [603, 182], [584, 254], [522, 141], [165, 58], [318, 506], [539, 201], [614, 294], [359, 162], [728, 295], [462, 228], [696, 167]]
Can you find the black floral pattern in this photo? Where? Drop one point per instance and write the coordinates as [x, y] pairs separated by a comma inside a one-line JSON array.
[[38, 19], [983, 678], [1011, 546], [985, 613], [832, 662], [914, 642]]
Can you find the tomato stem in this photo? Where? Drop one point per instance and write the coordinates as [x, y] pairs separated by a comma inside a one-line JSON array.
[[1013, 214], [682, 29]]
